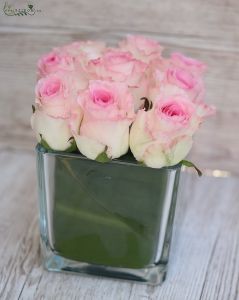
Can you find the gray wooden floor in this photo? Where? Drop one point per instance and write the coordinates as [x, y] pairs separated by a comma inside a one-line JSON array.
[[204, 260]]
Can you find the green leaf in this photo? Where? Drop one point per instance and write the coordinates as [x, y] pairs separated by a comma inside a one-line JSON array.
[[189, 164], [141, 163], [44, 143], [73, 146], [102, 157], [33, 109]]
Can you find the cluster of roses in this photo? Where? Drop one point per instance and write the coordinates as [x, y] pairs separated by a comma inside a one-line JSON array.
[[109, 99]]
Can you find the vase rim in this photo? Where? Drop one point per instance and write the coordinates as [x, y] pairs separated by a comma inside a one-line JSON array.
[[121, 160]]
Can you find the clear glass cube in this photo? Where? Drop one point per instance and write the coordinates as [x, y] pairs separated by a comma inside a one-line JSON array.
[[112, 219]]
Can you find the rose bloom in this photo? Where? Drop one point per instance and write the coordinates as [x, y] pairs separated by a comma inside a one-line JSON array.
[[121, 66], [188, 63], [142, 48], [56, 132], [108, 113], [57, 114], [186, 73], [56, 93], [72, 57], [180, 75], [162, 136], [87, 49], [184, 80], [53, 62], [83, 52]]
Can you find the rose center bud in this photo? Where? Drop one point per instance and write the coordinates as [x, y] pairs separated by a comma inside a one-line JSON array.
[[52, 88], [172, 110], [175, 112], [102, 98], [52, 59]]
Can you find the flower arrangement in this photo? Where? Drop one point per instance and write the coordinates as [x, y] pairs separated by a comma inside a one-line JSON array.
[[104, 101]]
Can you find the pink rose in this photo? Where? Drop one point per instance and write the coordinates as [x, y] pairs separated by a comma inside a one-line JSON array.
[[72, 57], [108, 112], [187, 81], [53, 62], [121, 66], [162, 136], [169, 72], [167, 90], [83, 52], [188, 63], [176, 113], [58, 115], [186, 73], [88, 49], [56, 132], [56, 94], [176, 116], [180, 75], [107, 100], [142, 48], [181, 78]]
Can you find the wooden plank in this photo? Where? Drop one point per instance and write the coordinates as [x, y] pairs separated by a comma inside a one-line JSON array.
[[17, 222], [222, 278], [62, 286], [203, 263], [213, 20]]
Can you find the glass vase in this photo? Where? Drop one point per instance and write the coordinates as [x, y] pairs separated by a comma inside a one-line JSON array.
[[112, 219]]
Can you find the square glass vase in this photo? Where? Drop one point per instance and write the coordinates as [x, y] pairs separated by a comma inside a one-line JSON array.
[[112, 219]]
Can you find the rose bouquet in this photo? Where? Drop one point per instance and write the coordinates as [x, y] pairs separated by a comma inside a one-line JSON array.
[[108, 100], [95, 104]]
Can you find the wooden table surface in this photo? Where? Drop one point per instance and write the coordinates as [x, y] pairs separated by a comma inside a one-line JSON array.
[[204, 260]]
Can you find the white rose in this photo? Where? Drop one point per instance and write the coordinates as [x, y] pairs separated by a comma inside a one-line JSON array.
[[55, 131]]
